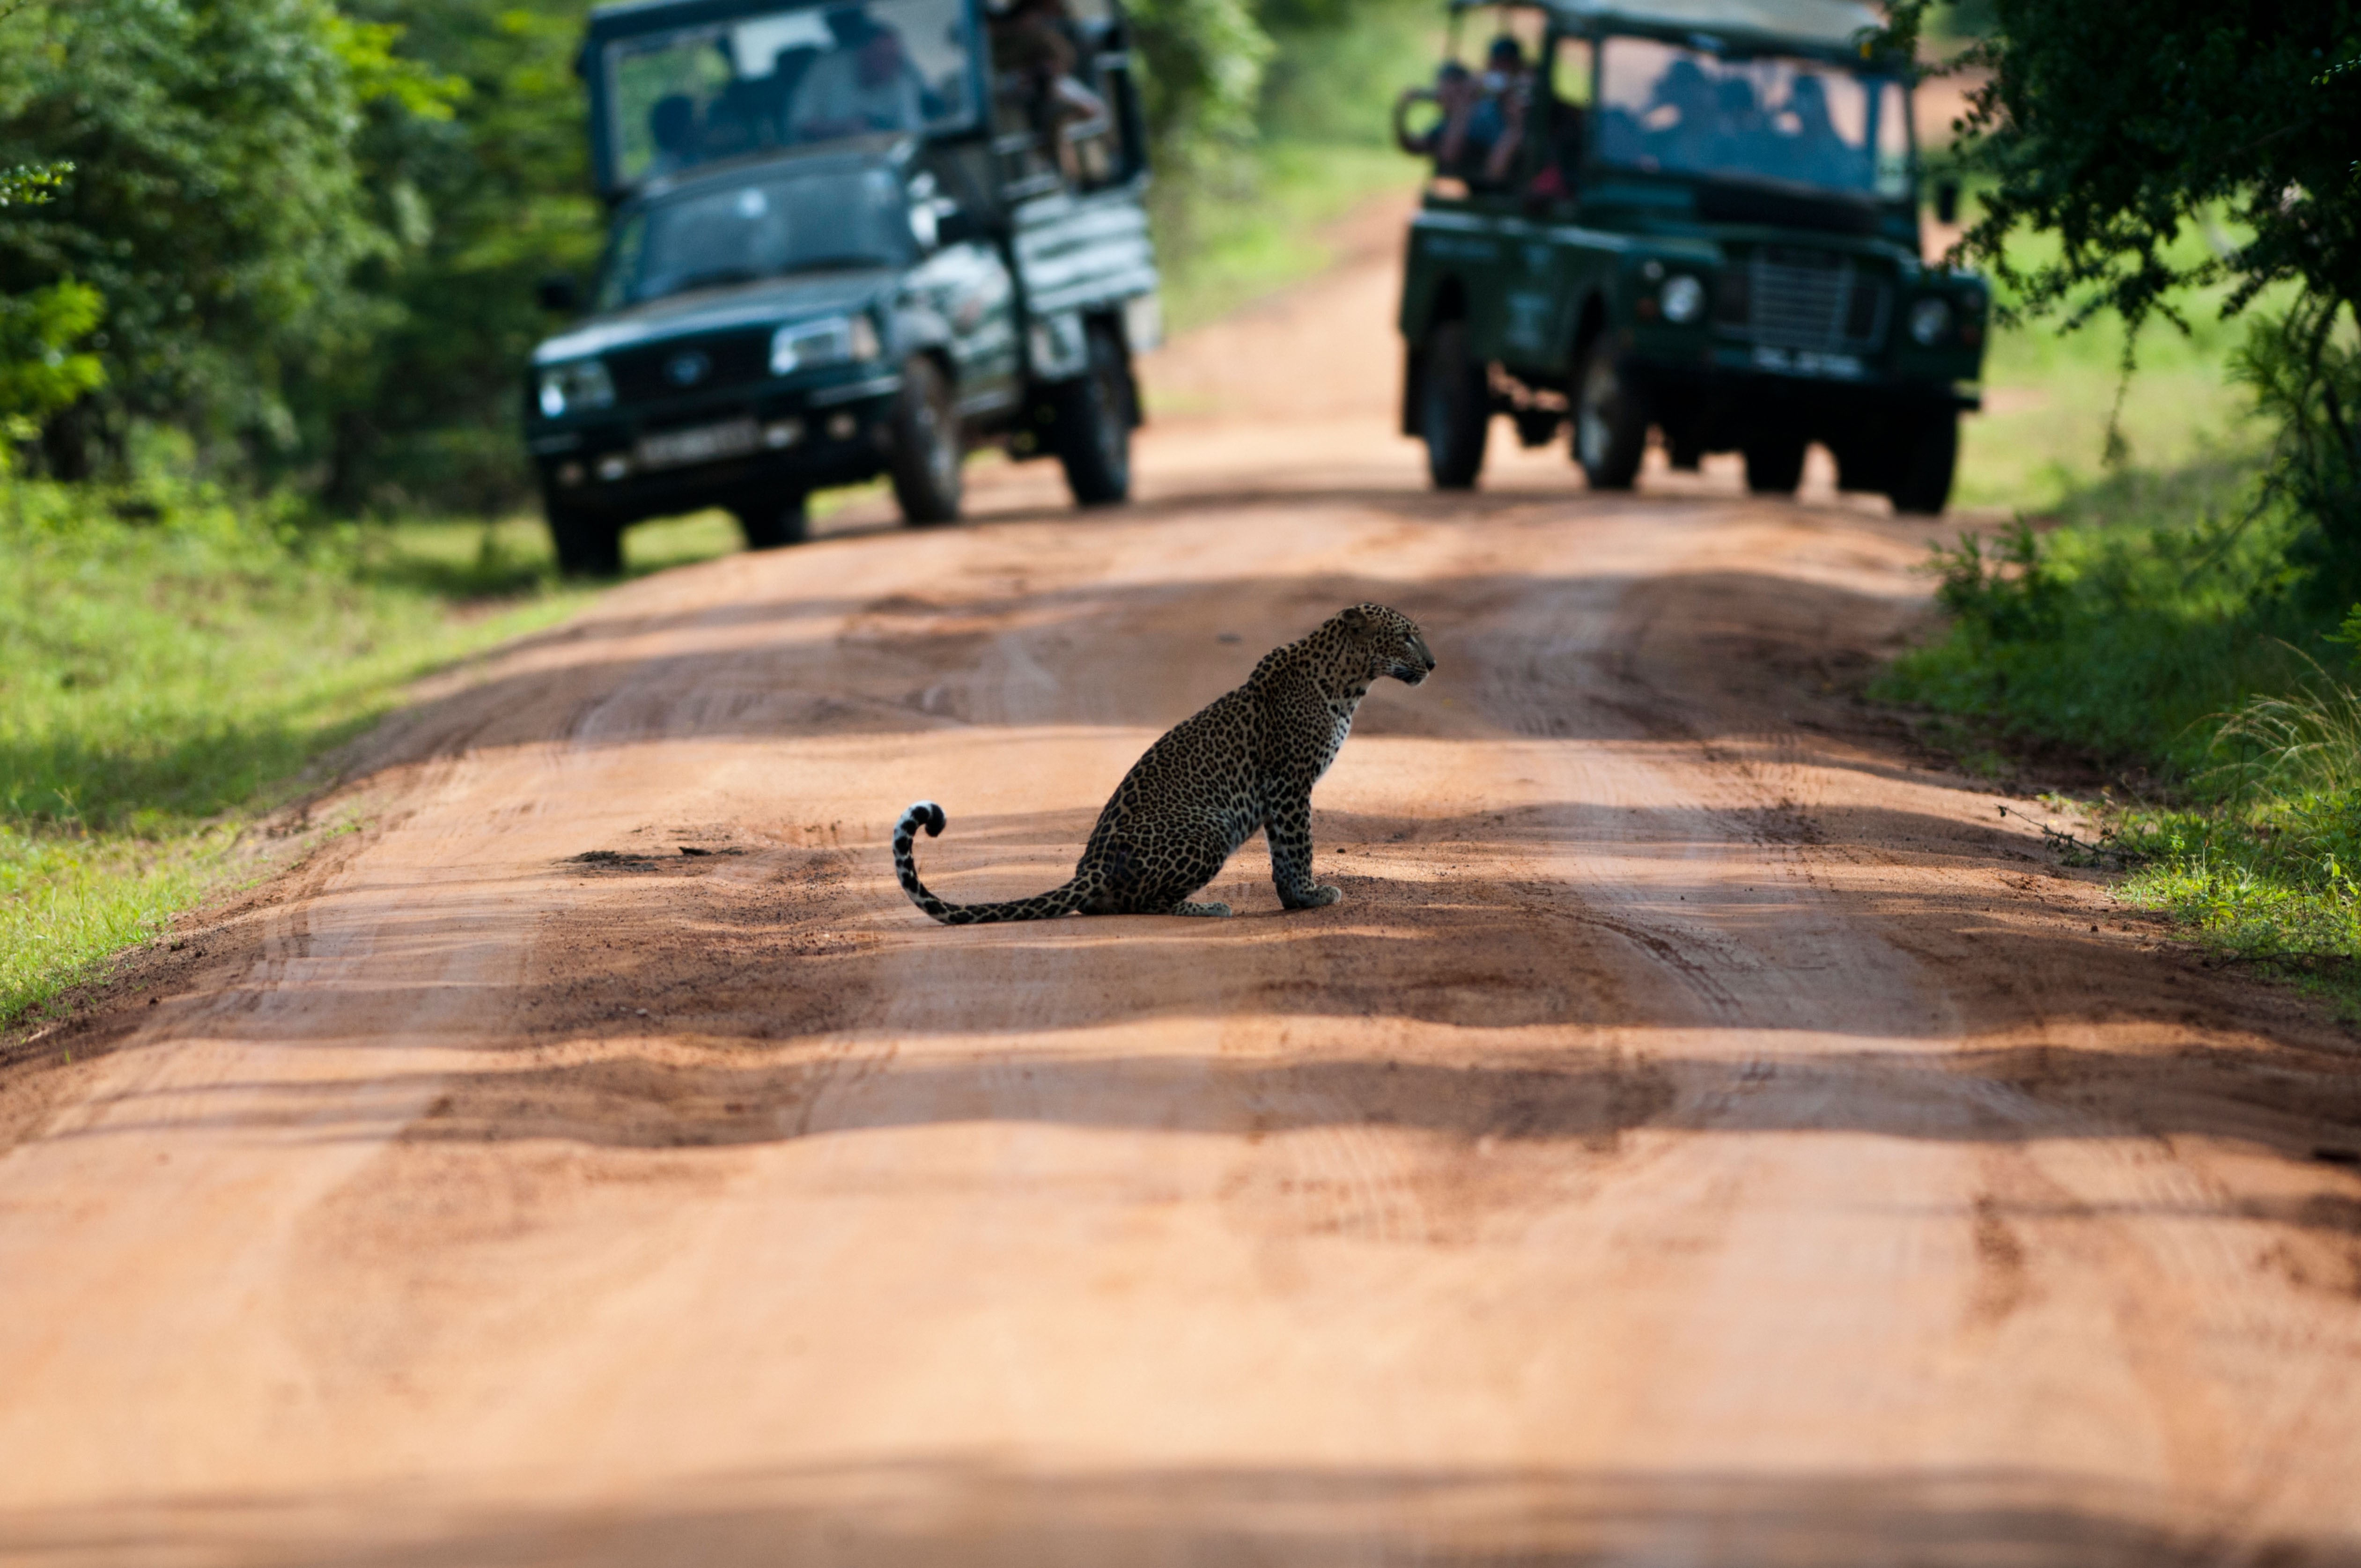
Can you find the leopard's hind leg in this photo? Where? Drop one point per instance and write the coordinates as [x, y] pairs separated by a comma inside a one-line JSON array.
[[1213, 911]]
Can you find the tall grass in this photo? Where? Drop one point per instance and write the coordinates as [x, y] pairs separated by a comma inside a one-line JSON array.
[[2266, 868]]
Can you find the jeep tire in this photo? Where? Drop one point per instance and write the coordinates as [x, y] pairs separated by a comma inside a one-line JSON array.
[[1610, 420], [927, 454], [1774, 460], [1455, 408], [1094, 417], [1924, 462], [770, 521], [586, 545]]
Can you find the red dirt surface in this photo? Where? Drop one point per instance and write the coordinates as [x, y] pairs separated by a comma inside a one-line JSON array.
[[1707, 1133]]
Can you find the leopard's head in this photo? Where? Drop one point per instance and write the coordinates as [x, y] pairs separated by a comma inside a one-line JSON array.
[[1374, 640]]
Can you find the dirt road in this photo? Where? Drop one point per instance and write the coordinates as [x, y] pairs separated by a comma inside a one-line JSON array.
[[1705, 1135]]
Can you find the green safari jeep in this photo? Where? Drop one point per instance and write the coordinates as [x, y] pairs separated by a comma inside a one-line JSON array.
[[1698, 217]]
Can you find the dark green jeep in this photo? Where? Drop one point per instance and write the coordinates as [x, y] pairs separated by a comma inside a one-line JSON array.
[[1694, 216], [850, 238]]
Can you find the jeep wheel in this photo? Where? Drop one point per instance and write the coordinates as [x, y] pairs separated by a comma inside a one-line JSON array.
[[1610, 422], [1455, 408], [1775, 461], [772, 520], [926, 453], [1923, 466], [1094, 427], [587, 546]]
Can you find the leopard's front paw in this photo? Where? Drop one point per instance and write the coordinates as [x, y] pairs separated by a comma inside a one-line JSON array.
[[1318, 897]]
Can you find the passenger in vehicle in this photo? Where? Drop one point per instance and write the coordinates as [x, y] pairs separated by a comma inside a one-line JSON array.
[[1036, 46], [1688, 137], [737, 120], [672, 126], [1453, 96], [1484, 139], [788, 68], [866, 84], [1816, 152], [1740, 142]]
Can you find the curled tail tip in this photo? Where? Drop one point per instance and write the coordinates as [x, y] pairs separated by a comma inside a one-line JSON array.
[[927, 815]]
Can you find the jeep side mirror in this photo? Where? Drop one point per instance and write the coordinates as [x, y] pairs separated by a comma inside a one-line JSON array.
[[1947, 201], [558, 294], [958, 225]]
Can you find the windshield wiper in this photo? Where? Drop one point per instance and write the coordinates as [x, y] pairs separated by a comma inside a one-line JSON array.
[[713, 278], [839, 263]]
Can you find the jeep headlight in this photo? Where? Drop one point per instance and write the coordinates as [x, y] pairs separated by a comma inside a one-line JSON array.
[[832, 340], [1929, 320], [1682, 299], [581, 384]]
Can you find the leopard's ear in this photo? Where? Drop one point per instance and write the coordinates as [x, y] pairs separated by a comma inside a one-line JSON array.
[[1354, 617]]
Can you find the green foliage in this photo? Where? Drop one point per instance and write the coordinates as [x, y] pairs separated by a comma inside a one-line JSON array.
[[41, 370], [485, 202], [216, 205], [2119, 125], [1321, 147], [2118, 639], [2272, 883], [1204, 63], [31, 184], [2305, 378], [2270, 872]]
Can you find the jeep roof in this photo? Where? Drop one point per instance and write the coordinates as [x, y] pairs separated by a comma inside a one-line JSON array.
[[1817, 26]]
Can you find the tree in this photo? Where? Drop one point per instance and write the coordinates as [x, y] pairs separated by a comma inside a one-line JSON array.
[[2121, 125], [216, 206], [41, 369], [483, 201]]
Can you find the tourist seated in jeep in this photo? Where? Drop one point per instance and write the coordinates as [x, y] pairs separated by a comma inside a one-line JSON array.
[[866, 84]]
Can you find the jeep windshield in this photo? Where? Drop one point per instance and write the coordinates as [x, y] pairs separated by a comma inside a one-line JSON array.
[[1670, 110], [792, 77], [763, 227]]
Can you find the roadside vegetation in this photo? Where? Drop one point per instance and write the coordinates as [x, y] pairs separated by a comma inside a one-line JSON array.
[[2177, 600], [1318, 144]]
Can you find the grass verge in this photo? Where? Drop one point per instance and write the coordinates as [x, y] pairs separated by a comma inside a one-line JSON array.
[[2154, 626], [165, 682]]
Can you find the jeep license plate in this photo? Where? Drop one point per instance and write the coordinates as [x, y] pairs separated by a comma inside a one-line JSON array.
[[700, 444]]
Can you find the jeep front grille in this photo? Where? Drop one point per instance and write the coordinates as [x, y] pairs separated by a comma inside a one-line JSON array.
[[1810, 301], [649, 375]]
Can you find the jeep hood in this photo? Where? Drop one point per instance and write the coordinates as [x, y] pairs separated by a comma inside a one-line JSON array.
[[769, 302]]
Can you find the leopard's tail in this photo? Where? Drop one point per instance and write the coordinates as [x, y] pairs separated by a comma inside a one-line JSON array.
[[926, 814]]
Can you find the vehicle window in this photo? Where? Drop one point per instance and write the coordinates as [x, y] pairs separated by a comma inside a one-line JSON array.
[[739, 234], [815, 73], [1683, 111], [1570, 72]]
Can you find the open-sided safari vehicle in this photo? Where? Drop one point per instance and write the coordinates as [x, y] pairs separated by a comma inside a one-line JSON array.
[[848, 238], [1695, 215]]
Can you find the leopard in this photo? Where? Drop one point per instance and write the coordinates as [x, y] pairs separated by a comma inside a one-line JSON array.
[[1246, 761]]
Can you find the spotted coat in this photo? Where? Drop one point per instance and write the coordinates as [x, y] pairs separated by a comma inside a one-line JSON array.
[[1248, 761]]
